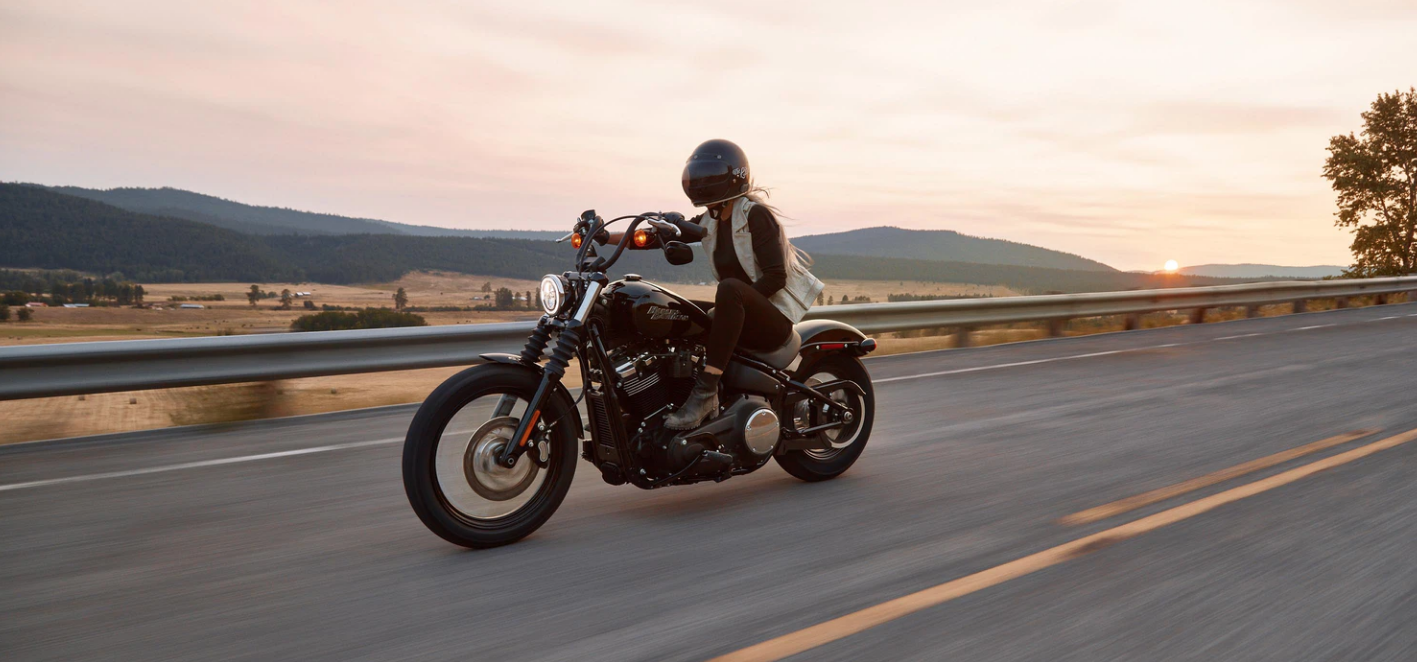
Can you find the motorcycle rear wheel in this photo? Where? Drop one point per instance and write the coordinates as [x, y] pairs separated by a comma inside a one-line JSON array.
[[846, 443], [449, 478]]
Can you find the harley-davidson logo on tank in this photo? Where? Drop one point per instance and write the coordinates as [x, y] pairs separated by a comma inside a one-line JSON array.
[[658, 313]]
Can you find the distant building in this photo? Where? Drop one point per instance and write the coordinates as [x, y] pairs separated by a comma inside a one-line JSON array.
[[192, 306], [76, 305], [36, 304]]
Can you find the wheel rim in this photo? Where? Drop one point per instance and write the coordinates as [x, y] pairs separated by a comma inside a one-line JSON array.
[[839, 438], [487, 477], [467, 478]]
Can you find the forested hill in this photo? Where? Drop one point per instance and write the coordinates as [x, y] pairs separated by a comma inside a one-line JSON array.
[[942, 245], [40, 228], [252, 219]]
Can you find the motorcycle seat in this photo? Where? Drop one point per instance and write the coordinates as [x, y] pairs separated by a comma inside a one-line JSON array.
[[781, 357]]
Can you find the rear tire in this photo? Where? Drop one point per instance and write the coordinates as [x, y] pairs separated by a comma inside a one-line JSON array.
[[434, 502], [813, 466]]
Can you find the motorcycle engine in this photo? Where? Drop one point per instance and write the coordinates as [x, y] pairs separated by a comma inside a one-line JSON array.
[[653, 377]]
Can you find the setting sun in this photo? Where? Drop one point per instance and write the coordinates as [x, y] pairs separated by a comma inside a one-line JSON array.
[[1172, 266]]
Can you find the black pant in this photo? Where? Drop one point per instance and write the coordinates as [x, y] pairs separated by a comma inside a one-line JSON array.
[[743, 316]]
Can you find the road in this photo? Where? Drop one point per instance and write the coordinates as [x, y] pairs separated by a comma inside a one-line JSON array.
[[292, 539]]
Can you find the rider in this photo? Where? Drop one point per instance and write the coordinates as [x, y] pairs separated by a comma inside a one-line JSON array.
[[764, 286]]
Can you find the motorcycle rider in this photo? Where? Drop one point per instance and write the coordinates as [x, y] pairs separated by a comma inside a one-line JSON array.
[[764, 285]]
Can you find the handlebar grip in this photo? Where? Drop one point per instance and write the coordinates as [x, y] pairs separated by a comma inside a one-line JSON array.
[[690, 232]]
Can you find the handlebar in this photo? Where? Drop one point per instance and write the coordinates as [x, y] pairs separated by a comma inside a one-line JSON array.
[[671, 224]]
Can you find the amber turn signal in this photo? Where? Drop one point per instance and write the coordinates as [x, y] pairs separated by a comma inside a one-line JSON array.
[[576, 240], [641, 238]]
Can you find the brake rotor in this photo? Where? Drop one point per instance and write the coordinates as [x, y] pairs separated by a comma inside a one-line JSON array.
[[485, 476]]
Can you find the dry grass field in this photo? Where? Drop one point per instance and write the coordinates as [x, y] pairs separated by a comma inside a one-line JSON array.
[[116, 412]]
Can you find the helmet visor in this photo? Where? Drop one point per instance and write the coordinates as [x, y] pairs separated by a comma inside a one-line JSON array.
[[708, 181]]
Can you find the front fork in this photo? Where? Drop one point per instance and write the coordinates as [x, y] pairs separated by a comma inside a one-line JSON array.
[[567, 342]]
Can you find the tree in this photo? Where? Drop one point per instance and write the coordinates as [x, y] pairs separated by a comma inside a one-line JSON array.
[[504, 298], [286, 298], [1375, 176], [4, 313], [400, 299], [309, 305], [536, 301], [528, 299], [254, 295], [25, 315], [821, 298], [487, 287]]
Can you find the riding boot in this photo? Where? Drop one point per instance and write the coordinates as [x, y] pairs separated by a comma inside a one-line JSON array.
[[702, 402]]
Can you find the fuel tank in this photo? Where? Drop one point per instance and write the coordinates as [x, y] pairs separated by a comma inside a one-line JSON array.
[[633, 305]]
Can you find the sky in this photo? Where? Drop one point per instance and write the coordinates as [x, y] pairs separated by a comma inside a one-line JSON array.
[[1128, 132]]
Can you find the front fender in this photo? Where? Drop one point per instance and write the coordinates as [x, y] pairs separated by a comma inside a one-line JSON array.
[[560, 392]]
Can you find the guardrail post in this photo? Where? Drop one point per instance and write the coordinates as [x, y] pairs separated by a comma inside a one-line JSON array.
[[1380, 300], [1340, 302], [1132, 322], [1055, 327], [962, 336], [1299, 306], [1252, 312], [1198, 316]]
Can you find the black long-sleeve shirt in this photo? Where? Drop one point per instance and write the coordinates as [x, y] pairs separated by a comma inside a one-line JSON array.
[[767, 248]]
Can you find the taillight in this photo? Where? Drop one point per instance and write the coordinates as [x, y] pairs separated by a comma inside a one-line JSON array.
[[641, 238], [576, 240]]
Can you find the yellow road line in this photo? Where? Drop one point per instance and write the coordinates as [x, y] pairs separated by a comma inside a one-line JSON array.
[[845, 626], [1147, 498]]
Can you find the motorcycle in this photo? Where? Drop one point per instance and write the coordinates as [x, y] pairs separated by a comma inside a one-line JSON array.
[[491, 452]]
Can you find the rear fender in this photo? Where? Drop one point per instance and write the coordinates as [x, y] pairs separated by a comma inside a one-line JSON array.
[[560, 392], [832, 336]]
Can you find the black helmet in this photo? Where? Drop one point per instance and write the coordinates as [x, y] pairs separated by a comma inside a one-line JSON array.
[[716, 171]]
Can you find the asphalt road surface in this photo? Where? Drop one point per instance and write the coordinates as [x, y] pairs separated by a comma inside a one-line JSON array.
[[292, 539]]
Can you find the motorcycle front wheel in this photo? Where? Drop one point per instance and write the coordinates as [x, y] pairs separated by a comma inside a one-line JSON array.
[[449, 473]]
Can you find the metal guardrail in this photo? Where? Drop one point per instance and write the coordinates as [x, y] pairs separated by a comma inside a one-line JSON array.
[[966, 313], [130, 365]]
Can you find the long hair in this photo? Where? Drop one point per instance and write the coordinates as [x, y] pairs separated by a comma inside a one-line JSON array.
[[795, 259]]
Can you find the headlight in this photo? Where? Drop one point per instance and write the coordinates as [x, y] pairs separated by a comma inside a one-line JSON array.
[[553, 294]]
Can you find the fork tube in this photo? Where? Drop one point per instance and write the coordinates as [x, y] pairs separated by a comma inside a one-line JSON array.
[[567, 342]]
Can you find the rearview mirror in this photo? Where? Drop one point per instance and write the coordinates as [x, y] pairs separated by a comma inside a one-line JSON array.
[[678, 253]]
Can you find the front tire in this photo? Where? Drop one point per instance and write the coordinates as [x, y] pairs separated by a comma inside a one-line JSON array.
[[848, 442], [457, 493]]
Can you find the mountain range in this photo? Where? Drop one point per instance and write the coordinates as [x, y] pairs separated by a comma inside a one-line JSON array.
[[943, 245], [1262, 271], [184, 236]]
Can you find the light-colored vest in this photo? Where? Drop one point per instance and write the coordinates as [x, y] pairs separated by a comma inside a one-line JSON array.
[[802, 287]]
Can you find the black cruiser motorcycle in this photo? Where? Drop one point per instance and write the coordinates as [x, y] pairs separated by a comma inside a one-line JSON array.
[[491, 453]]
